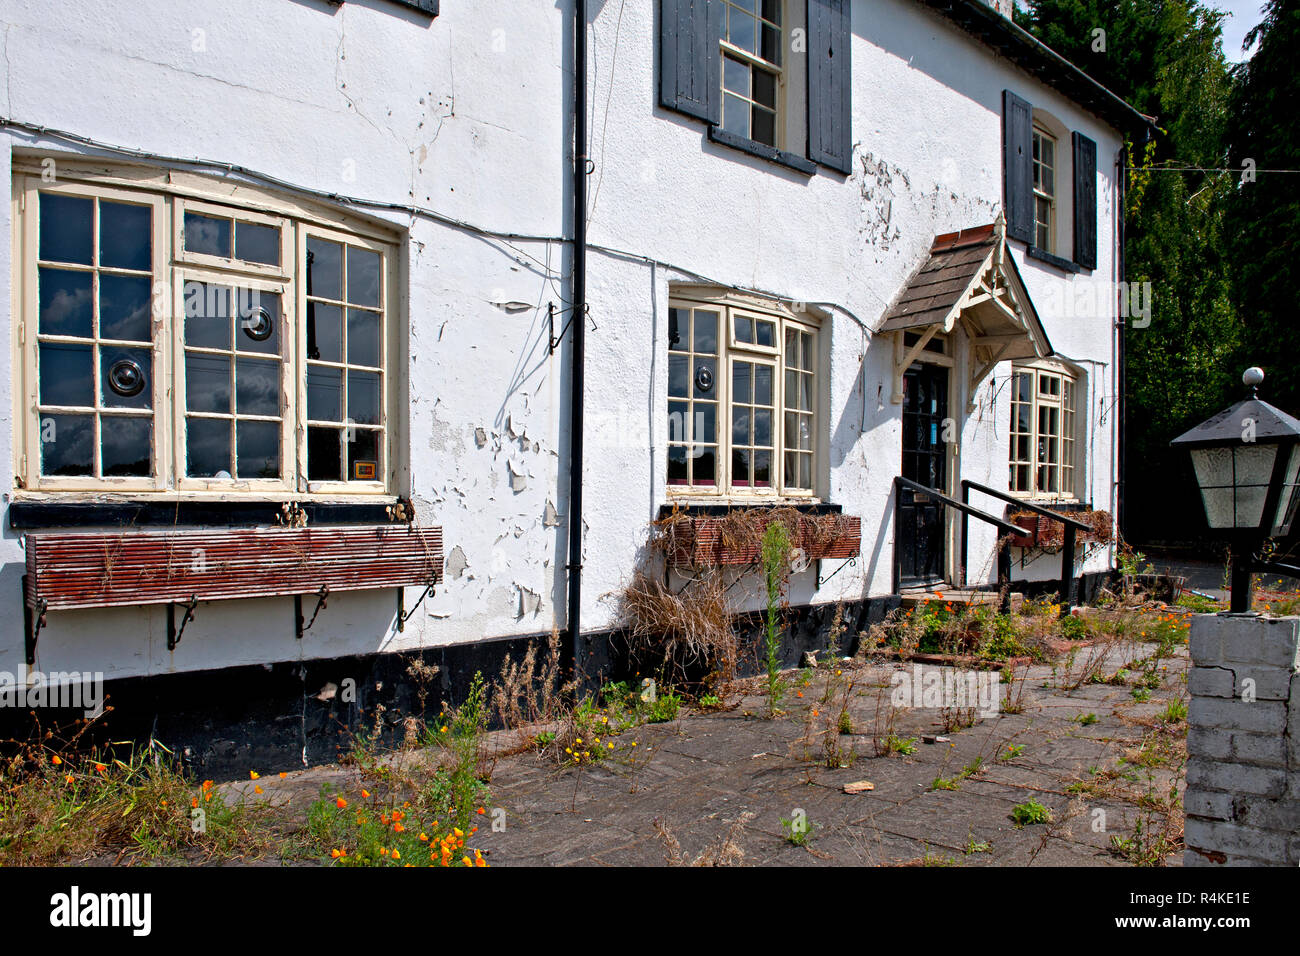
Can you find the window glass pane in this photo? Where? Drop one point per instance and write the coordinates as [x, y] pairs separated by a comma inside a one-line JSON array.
[[324, 269], [678, 322], [324, 454], [207, 235], [126, 446], [67, 445], [324, 394], [744, 329], [678, 375], [257, 387], [324, 332], [259, 323], [706, 332], [679, 421], [762, 385], [125, 236], [740, 466], [762, 468], [126, 377], [764, 127], [735, 115], [255, 242], [805, 393], [207, 315], [765, 88], [207, 383], [124, 307], [704, 426], [677, 465], [735, 76], [258, 449], [705, 466], [65, 303], [771, 46], [66, 374], [740, 388], [363, 455], [66, 228], [762, 427], [742, 29], [363, 397], [740, 426], [767, 334], [805, 471], [363, 276], [806, 351], [363, 338], [207, 447]]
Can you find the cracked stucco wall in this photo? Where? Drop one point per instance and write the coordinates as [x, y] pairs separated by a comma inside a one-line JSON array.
[[466, 115]]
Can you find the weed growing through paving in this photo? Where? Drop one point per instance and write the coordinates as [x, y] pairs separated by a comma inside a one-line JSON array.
[[1030, 813], [373, 830], [775, 558], [798, 829]]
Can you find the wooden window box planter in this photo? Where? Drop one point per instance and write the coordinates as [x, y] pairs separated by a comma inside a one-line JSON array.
[[706, 541], [77, 570], [1042, 532]]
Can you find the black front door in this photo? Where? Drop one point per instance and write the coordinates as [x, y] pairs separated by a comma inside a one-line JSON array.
[[920, 538]]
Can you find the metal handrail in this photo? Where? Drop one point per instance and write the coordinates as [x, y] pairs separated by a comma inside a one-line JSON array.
[[1071, 527], [966, 509], [1027, 506]]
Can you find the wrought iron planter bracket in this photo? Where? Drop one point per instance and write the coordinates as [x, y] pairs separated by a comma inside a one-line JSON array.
[[402, 615], [322, 598], [174, 633], [32, 629], [551, 313], [850, 563]]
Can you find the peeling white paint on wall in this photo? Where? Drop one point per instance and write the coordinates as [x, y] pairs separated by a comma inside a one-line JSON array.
[[374, 102]]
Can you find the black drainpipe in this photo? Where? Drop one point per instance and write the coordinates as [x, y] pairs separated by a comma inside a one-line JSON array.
[[578, 321], [1121, 376]]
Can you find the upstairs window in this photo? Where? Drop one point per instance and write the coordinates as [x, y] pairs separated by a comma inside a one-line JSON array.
[[1042, 460], [735, 65], [1044, 190], [742, 400], [752, 82], [178, 344]]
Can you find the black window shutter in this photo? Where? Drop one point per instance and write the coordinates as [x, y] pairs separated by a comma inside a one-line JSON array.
[[1018, 166], [830, 127], [690, 60], [1085, 201]]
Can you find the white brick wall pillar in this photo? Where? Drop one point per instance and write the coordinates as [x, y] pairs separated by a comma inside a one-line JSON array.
[[1242, 800]]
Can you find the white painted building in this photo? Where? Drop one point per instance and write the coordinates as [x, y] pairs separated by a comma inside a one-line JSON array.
[[423, 163]]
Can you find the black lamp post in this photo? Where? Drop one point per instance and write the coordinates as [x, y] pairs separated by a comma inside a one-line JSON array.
[[1247, 462]]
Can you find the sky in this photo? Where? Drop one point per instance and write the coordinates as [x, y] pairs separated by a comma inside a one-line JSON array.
[[1245, 14]]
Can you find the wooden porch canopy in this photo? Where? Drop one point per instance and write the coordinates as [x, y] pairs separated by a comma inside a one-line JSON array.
[[77, 570], [969, 280]]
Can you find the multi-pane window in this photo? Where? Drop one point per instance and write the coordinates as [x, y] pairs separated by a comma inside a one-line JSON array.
[[1042, 436], [1044, 190], [742, 401], [751, 68], [178, 344]]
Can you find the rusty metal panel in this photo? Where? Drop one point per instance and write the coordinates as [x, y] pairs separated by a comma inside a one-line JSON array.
[[122, 568]]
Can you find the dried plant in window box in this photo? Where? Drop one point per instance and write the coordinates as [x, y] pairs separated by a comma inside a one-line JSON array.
[[736, 537], [1043, 532]]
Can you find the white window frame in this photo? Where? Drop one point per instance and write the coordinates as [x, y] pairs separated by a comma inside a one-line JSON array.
[[170, 193], [1069, 446], [757, 62], [729, 305], [1040, 133]]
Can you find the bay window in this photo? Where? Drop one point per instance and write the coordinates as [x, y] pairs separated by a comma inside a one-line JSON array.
[[1042, 459], [742, 399], [173, 342]]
